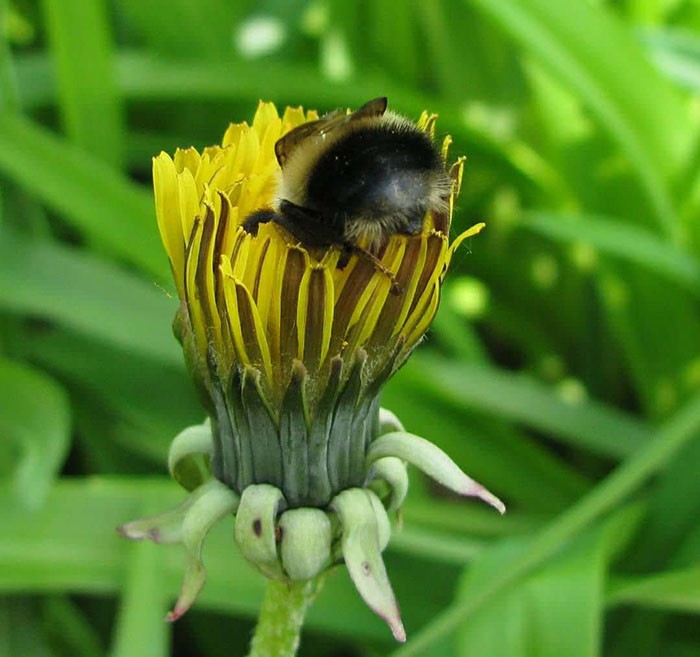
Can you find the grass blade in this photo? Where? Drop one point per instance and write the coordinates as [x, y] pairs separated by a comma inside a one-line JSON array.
[[531, 619], [36, 417], [676, 590], [672, 437], [621, 240], [87, 295], [90, 102], [582, 44], [108, 209], [141, 628], [519, 398]]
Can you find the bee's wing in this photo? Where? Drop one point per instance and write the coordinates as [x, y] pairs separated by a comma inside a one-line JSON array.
[[287, 144], [375, 107]]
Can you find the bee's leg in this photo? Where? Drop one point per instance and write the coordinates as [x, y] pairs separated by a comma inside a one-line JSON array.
[[346, 250], [250, 225], [349, 248], [305, 225]]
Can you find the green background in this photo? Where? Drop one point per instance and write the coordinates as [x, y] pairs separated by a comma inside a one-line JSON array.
[[562, 371]]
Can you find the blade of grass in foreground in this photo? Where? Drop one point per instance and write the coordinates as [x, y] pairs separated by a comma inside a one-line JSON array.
[[149, 401], [88, 295], [529, 620], [621, 240], [103, 205], [90, 103], [610, 493], [36, 418], [20, 629], [9, 91], [676, 53], [141, 629], [76, 630], [204, 28], [588, 425], [677, 590], [582, 44]]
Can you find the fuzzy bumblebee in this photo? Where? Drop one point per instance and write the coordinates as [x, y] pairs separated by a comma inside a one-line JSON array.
[[356, 179], [295, 311]]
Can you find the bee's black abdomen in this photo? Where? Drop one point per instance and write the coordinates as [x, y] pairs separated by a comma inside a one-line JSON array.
[[376, 171], [353, 180]]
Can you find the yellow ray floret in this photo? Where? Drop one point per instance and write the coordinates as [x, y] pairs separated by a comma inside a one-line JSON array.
[[265, 301]]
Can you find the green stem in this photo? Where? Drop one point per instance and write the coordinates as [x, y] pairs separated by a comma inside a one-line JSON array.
[[281, 617]]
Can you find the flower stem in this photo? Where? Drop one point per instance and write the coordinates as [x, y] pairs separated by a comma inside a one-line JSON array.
[[281, 617]]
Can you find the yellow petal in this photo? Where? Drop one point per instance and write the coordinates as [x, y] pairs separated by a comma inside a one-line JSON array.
[[315, 316], [189, 200], [167, 202], [187, 158], [470, 232]]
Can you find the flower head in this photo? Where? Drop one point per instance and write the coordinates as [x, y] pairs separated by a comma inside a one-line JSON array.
[[289, 345]]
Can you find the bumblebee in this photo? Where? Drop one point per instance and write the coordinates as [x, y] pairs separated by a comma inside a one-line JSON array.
[[353, 180]]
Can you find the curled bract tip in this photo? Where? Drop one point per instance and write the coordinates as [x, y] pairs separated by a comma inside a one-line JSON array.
[[189, 455], [192, 584], [361, 543], [490, 498], [432, 461]]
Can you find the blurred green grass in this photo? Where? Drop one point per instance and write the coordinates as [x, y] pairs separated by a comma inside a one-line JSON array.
[[563, 369]]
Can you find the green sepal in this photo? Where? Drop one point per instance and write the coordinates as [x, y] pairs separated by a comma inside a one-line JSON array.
[[310, 451], [433, 461], [383, 523], [294, 435], [365, 428], [320, 489], [391, 470], [261, 431], [213, 503], [244, 473], [389, 422], [345, 447], [361, 539], [227, 445], [255, 530], [165, 527], [305, 542], [190, 455]]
